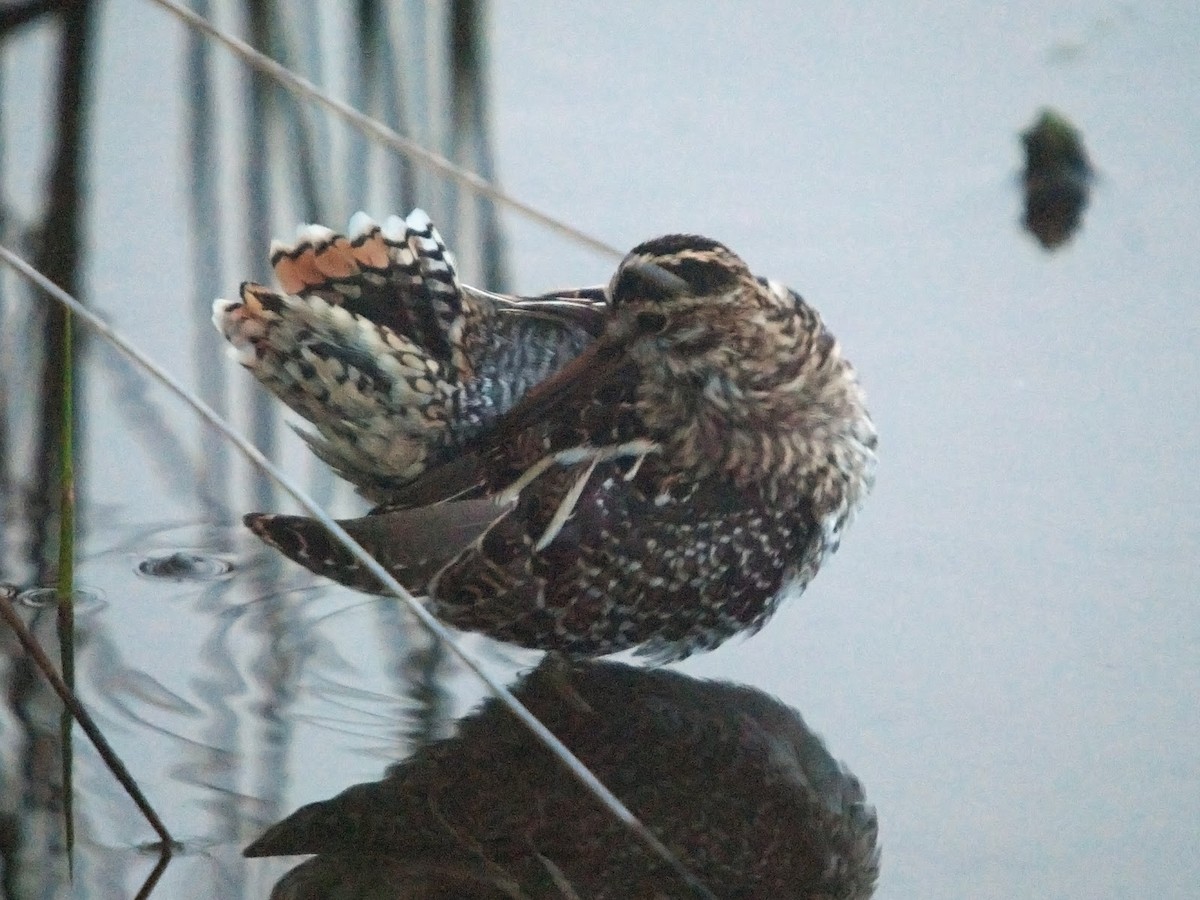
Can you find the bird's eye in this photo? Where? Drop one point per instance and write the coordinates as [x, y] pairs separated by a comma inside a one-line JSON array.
[[703, 276], [651, 322], [644, 281]]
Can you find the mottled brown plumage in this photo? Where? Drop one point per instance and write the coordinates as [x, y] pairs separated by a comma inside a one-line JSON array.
[[732, 781], [665, 489]]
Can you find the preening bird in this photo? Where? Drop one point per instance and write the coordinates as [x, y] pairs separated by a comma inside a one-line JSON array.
[[662, 485]]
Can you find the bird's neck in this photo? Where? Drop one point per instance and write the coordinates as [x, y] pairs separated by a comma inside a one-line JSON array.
[[777, 416]]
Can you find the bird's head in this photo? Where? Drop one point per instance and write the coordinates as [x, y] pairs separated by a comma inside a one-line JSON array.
[[688, 303], [731, 364], [669, 287]]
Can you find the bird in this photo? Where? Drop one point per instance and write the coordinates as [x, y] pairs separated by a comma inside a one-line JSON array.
[[732, 781], [663, 490], [375, 341]]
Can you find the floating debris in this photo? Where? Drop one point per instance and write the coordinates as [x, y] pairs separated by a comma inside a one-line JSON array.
[[1057, 179], [184, 565]]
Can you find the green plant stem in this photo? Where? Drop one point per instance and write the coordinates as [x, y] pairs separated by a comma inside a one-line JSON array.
[[66, 575]]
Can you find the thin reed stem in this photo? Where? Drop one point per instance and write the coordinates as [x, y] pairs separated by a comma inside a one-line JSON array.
[[65, 582], [387, 136], [31, 646]]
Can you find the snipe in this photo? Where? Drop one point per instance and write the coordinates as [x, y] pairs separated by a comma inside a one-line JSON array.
[[665, 489]]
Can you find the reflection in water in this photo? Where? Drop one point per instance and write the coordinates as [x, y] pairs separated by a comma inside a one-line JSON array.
[[730, 779], [37, 775], [1057, 179], [83, 599], [407, 65]]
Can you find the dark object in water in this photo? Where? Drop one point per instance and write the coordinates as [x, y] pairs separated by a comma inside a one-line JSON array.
[[184, 565], [731, 780], [1057, 179]]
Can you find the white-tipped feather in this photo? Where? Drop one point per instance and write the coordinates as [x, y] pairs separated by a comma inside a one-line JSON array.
[[418, 220], [376, 423], [360, 224], [314, 234], [220, 312], [243, 354], [394, 228]]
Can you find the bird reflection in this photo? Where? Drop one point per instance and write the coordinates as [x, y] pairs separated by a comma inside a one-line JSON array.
[[730, 779]]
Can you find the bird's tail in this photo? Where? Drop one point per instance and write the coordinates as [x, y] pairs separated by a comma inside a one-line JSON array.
[[360, 342]]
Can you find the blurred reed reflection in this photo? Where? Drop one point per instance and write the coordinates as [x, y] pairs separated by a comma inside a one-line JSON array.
[[730, 779], [120, 127]]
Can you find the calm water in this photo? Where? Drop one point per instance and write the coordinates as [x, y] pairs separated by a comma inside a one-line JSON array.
[[1007, 648]]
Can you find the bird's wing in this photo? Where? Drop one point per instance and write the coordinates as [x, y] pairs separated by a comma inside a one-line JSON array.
[[587, 404], [611, 553], [542, 452], [412, 544], [585, 308]]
